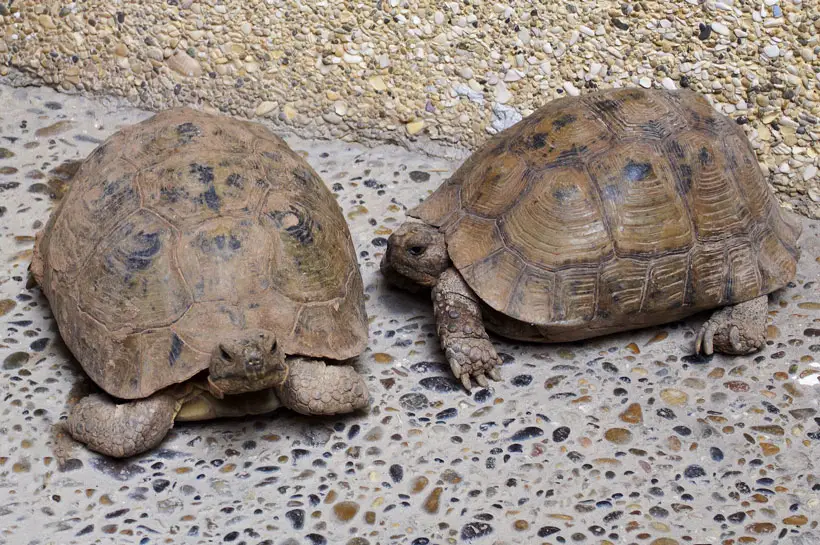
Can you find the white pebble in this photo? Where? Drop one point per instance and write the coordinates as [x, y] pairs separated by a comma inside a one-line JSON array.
[[502, 96], [784, 167], [352, 59], [668, 84], [720, 28], [513, 75], [809, 172], [771, 51], [571, 89], [465, 72], [645, 82]]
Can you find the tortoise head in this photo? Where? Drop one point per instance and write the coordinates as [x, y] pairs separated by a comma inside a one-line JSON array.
[[248, 362], [416, 255]]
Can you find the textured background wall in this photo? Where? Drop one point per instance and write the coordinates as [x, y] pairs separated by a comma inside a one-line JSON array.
[[421, 72]]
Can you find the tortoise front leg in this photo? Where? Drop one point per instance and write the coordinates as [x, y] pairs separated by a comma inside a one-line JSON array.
[[122, 430], [738, 329], [312, 387], [461, 331]]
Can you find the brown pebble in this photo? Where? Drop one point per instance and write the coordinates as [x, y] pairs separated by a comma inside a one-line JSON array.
[[737, 386], [796, 520], [770, 429], [419, 483], [431, 504], [769, 449], [345, 510], [674, 397], [633, 414], [761, 528], [632, 347], [717, 373], [381, 357], [619, 436], [521, 525], [370, 517], [6, 306], [54, 128], [665, 541], [331, 497], [105, 500]]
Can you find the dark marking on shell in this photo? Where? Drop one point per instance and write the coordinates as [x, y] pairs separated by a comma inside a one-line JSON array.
[[704, 156], [302, 231], [140, 260], [571, 155], [234, 243], [676, 149], [187, 132], [637, 172], [204, 173], [306, 177], [610, 192], [607, 105], [272, 155], [685, 177], [563, 121], [211, 199], [235, 180], [539, 140], [176, 349]]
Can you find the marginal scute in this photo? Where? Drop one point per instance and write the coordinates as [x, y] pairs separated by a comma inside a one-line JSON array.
[[617, 206]]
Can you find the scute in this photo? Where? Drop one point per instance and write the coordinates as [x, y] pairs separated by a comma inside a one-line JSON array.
[[623, 201]]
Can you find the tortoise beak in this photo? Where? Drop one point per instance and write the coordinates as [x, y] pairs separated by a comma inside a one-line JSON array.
[[215, 390]]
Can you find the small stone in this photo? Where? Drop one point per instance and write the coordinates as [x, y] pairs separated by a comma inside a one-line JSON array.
[[352, 59], [571, 89], [465, 72], [645, 82], [694, 471], [796, 520], [377, 83], [720, 28], [633, 414], [771, 51], [809, 172], [184, 64], [431, 504], [668, 84], [265, 107], [345, 510], [619, 436], [46, 22], [674, 397], [415, 127], [332, 117]]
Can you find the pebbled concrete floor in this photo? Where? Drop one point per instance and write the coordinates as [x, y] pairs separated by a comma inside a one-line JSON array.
[[622, 439]]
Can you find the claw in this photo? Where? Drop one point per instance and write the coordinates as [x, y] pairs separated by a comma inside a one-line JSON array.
[[699, 340], [734, 338], [465, 380], [482, 381], [709, 338], [494, 374]]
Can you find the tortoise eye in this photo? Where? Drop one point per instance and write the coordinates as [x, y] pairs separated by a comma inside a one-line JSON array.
[[416, 251]]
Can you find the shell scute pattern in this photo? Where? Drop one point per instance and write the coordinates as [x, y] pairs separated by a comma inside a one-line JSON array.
[[151, 250], [617, 202]]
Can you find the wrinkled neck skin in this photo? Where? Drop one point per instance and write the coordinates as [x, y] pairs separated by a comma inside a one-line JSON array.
[[249, 362]]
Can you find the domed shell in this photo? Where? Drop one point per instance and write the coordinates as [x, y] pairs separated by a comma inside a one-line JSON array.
[[184, 229], [623, 201]]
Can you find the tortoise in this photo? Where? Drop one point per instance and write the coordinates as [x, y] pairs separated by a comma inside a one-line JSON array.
[[198, 267], [607, 212]]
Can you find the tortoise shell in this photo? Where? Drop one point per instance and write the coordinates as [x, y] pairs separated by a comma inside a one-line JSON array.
[[189, 227], [616, 204]]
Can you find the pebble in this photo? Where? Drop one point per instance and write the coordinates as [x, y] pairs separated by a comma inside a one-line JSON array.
[[645, 82], [809, 172], [571, 89], [265, 107], [720, 28], [771, 51]]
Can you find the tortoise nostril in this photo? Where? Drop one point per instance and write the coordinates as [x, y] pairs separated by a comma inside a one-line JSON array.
[[224, 353]]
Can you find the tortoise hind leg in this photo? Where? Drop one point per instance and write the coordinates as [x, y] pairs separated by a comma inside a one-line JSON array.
[[461, 331], [739, 329], [122, 430]]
